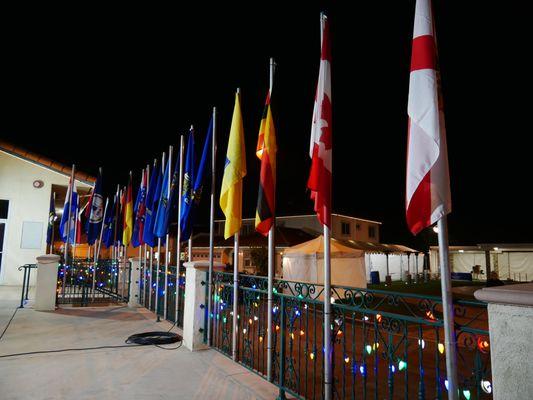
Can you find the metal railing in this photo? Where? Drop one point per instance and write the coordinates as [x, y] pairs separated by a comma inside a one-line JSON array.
[[111, 282], [26, 282], [148, 290], [385, 344]]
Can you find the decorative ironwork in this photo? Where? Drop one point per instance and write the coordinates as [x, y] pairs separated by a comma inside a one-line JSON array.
[[111, 282]]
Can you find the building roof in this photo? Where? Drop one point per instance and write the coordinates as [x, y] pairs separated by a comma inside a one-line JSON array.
[[494, 247], [284, 237], [311, 215], [289, 237], [44, 162]]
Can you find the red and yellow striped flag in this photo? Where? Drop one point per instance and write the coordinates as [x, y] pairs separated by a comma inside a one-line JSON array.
[[266, 152]]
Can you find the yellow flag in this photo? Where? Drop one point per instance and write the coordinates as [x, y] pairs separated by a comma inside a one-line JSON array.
[[234, 171]]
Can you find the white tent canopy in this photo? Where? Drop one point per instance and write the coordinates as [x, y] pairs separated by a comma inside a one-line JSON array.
[[304, 263]]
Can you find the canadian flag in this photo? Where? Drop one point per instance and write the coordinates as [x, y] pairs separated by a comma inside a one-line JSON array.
[[319, 181], [428, 196]]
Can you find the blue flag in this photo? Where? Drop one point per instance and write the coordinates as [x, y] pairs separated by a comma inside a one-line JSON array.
[[139, 212], [71, 204], [96, 213], [161, 220], [51, 219], [108, 236], [188, 187], [151, 206]]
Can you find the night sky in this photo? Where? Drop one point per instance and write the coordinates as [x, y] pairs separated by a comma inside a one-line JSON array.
[[114, 87]]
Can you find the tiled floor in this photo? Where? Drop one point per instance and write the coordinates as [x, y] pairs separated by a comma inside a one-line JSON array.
[[127, 373]]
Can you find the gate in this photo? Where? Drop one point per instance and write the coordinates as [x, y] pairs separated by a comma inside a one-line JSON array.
[[111, 283]]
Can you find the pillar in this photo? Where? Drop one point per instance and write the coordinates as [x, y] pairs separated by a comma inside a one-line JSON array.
[[196, 303], [510, 310], [135, 278], [46, 285]]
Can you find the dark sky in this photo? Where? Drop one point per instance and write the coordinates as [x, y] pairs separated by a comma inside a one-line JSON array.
[[114, 87]]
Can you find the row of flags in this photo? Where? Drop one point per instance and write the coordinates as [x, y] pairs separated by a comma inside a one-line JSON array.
[[146, 220], [123, 221]]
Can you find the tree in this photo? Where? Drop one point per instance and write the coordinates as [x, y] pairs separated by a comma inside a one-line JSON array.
[[259, 257]]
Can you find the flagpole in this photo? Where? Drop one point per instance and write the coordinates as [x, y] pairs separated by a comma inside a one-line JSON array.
[[235, 294], [178, 237], [97, 249], [115, 235], [65, 261], [167, 244], [151, 261], [328, 372], [211, 227], [328, 368], [141, 265], [158, 263], [53, 225], [450, 342], [235, 285], [271, 262], [145, 246], [76, 217]]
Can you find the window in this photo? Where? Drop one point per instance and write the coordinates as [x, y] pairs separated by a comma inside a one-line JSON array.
[[247, 262], [371, 231], [345, 228], [4, 208], [357, 227]]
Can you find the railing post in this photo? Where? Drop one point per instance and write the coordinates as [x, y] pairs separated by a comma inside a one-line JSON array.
[[23, 288], [29, 266], [281, 395]]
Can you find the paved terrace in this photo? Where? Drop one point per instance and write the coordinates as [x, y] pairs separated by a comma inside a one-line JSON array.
[[143, 372]]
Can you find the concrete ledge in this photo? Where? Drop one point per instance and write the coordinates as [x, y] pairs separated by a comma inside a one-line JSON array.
[[204, 265], [48, 259], [519, 295]]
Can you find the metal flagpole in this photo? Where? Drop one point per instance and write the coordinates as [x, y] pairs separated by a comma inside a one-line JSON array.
[[328, 370], [53, 225], [271, 262], [158, 259], [97, 249], [235, 295], [150, 279], [145, 255], [328, 366], [65, 261], [450, 341], [178, 236], [235, 287], [211, 228], [189, 242], [167, 244], [141, 265], [76, 217]]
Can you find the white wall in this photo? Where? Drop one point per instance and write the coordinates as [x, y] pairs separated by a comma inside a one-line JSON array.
[[25, 204], [397, 264]]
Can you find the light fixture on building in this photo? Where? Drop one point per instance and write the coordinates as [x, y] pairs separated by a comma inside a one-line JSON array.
[[37, 184], [436, 229]]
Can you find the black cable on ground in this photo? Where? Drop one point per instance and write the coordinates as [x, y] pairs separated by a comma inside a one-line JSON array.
[[156, 338], [9, 323]]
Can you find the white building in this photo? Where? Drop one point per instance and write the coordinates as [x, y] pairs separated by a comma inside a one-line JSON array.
[[26, 181]]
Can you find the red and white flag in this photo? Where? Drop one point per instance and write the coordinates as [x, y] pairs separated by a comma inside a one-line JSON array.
[[319, 181], [428, 196]]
